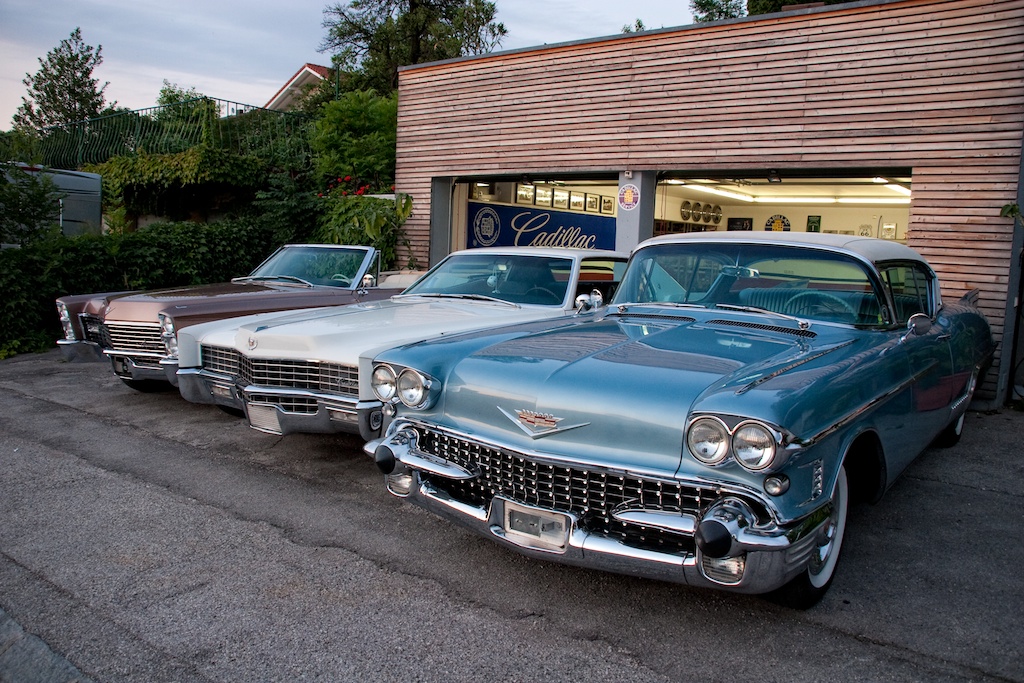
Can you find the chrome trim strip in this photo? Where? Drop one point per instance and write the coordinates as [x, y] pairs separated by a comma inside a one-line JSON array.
[[669, 521]]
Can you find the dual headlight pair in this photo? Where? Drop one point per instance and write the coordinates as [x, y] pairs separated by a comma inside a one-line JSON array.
[[753, 445], [410, 386]]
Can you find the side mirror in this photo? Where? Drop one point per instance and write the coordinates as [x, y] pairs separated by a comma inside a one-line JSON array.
[[587, 302], [918, 324]]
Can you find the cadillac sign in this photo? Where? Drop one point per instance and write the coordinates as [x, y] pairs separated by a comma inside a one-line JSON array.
[[517, 226]]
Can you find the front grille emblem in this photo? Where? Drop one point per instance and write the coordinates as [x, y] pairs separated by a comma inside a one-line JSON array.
[[536, 425]]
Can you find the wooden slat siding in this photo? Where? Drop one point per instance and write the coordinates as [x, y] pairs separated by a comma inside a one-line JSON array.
[[934, 86]]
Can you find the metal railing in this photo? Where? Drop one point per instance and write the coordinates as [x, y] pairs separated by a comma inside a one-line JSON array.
[[240, 128]]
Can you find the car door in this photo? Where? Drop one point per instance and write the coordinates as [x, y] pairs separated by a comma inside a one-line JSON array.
[[914, 292]]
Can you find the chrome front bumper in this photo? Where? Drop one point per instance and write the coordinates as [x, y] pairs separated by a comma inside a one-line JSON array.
[[78, 351], [138, 367], [770, 556], [263, 406]]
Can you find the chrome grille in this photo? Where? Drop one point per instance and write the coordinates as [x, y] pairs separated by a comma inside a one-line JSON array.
[[332, 378], [591, 494], [220, 360], [289, 404], [91, 328], [132, 337]]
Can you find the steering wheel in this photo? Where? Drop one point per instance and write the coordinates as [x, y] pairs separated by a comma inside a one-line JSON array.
[[343, 279], [555, 299], [813, 302]]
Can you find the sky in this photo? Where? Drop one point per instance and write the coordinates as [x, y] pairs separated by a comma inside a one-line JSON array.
[[244, 51]]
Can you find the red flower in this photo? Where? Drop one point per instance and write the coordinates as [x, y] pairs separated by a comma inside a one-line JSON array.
[[361, 190], [348, 178], [344, 192]]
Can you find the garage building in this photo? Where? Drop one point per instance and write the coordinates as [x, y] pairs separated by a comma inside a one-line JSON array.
[[899, 119]]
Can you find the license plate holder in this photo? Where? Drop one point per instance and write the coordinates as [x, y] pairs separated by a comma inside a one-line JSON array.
[[535, 527]]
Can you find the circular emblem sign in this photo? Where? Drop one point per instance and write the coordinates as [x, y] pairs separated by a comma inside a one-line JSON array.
[[629, 197], [778, 223], [486, 226]]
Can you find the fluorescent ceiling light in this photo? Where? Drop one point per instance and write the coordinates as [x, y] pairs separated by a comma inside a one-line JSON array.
[[898, 188], [795, 200], [873, 200], [723, 193]]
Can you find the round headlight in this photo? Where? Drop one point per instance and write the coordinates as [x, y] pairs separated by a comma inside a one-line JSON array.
[[383, 382], [708, 440], [412, 388], [753, 446]]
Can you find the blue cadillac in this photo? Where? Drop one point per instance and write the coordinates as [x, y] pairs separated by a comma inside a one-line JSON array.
[[710, 426]]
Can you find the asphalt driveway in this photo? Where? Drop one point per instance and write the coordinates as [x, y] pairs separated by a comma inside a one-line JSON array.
[[143, 538]]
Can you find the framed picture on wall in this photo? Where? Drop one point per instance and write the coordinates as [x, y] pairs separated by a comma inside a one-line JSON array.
[[577, 201], [543, 194], [524, 193], [740, 224], [593, 202], [560, 199], [814, 224], [607, 204]]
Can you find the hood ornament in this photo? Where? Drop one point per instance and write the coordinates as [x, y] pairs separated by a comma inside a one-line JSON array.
[[253, 343], [537, 425]]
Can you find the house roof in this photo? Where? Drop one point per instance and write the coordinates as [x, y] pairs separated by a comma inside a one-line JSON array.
[[284, 99]]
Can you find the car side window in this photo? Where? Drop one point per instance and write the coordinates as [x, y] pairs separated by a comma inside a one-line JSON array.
[[910, 286]]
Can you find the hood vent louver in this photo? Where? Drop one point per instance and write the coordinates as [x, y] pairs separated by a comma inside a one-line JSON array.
[[767, 328]]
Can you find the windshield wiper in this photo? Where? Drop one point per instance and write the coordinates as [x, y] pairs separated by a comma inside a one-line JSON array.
[[804, 324], [471, 297], [623, 308], [266, 278]]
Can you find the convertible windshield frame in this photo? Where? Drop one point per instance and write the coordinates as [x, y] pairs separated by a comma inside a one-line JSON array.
[[520, 279]]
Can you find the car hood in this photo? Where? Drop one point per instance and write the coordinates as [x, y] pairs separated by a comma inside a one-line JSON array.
[[199, 303], [342, 335], [619, 393]]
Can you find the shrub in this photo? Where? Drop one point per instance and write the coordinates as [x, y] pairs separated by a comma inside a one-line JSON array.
[[162, 255]]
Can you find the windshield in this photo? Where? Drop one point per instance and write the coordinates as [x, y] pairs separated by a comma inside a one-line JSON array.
[[519, 279], [316, 265], [796, 281]]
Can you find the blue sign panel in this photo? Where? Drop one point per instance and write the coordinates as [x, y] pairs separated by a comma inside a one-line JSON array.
[[506, 226]]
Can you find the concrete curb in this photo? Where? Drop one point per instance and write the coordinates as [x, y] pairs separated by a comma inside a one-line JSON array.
[[25, 658]]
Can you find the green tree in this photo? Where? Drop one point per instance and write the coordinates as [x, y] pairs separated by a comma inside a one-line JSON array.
[[63, 90], [29, 205], [372, 38], [355, 137], [770, 6], [716, 10], [172, 93], [636, 27]]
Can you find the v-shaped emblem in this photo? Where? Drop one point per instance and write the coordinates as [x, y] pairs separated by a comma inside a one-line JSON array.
[[536, 425]]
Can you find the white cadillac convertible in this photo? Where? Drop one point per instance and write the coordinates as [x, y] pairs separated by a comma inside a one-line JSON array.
[[309, 371]]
